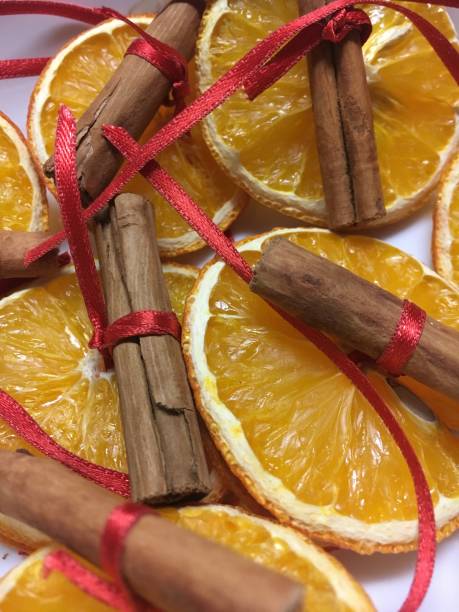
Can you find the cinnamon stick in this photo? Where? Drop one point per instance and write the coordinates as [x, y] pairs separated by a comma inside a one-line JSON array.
[[331, 298], [165, 456], [130, 99], [164, 450], [14, 246], [147, 6], [344, 129], [171, 568]]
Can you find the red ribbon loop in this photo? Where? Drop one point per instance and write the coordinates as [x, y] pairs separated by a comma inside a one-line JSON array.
[[160, 55], [75, 226], [118, 526], [405, 339], [345, 21], [142, 323], [116, 594]]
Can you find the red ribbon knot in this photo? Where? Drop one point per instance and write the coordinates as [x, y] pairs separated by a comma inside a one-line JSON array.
[[345, 21], [405, 339], [163, 57]]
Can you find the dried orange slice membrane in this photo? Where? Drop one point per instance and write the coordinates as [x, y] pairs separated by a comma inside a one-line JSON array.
[[328, 585], [293, 427], [268, 146], [75, 76]]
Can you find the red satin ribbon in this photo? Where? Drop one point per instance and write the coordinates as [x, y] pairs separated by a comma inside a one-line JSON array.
[[23, 424], [75, 227], [427, 533], [163, 57], [405, 339], [245, 71], [85, 579], [271, 58], [141, 323], [118, 526], [115, 594]]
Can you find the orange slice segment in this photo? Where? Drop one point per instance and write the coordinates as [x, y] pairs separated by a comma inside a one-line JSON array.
[[23, 204], [75, 76], [268, 146], [46, 365], [445, 242], [294, 429], [328, 585]]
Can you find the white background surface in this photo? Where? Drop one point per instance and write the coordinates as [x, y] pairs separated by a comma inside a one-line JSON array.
[[386, 577]]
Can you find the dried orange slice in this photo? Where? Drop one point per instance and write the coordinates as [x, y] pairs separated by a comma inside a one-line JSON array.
[[23, 205], [75, 76], [25, 588], [328, 584], [46, 365], [294, 429], [268, 146], [445, 242]]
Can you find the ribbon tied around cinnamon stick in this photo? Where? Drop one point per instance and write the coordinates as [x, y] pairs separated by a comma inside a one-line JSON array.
[[405, 339], [346, 21]]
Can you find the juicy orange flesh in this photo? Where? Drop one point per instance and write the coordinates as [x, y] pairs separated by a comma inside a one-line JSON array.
[[273, 135], [304, 420], [46, 365], [236, 531], [179, 286], [253, 540], [453, 221], [81, 76], [52, 594], [16, 192]]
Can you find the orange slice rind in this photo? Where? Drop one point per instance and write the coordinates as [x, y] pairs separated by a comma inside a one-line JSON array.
[[23, 205], [294, 429]]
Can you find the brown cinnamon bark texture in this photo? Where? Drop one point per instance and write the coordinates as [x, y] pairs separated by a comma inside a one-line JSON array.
[[164, 450], [130, 99], [165, 456], [344, 130], [331, 298], [13, 248], [171, 568]]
